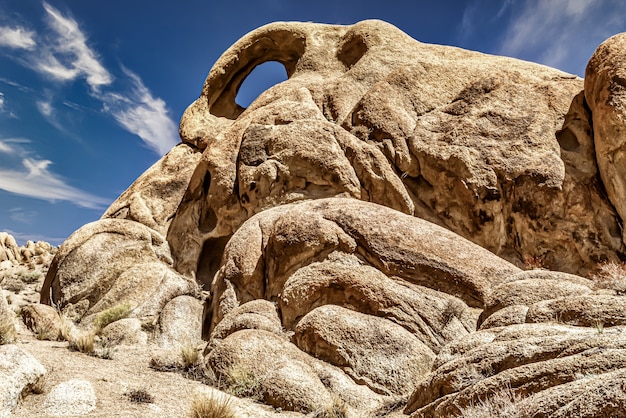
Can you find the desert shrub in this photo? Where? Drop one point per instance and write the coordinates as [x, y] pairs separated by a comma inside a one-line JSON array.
[[37, 388], [336, 409], [213, 406], [534, 262], [467, 376], [110, 315], [161, 364], [188, 366], [104, 349], [139, 396], [611, 275], [189, 355], [242, 382], [8, 333], [503, 404], [85, 342], [31, 277], [46, 330], [454, 308], [65, 330]]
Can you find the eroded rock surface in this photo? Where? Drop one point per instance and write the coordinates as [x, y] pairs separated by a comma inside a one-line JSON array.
[[18, 371], [362, 228], [497, 150]]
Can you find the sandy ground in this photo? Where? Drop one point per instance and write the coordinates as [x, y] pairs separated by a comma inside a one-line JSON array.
[[112, 379]]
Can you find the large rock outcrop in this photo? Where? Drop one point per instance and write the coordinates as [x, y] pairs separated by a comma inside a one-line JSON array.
[[362, 229], [499, 151]]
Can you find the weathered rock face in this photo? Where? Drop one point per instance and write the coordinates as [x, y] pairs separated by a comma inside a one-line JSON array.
[[124, 257], [361, 228], [18, 371], [605, 92], [110, 262], [497, 150], [153, 198]]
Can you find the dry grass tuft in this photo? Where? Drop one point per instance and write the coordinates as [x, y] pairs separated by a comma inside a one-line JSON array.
[[612, 276], [337, 409], [503, 404], [213, 406], [8, 333], [46, 330], [188, 365], [242, 383], [454, 309], [139, 396], [85, 342], [189, 355], [39, 387], [108, 316]]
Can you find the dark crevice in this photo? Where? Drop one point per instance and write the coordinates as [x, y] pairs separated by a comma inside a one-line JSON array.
[[210, 258]]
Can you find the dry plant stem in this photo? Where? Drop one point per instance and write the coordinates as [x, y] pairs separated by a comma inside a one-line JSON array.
[[213, 406]]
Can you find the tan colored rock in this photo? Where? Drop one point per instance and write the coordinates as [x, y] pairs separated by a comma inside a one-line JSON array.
[[586, 310], [9, 251], [256, 314], [497, 150], [153, 198], [375, 352], [126, 331], [180, 322], [111, 262], [543, 361], [433, 317], [43, 320], [18, 371], [365, 289], [74, 397], [271, 246], [532, 286], [286, 377], [7, 319], [605, 91]]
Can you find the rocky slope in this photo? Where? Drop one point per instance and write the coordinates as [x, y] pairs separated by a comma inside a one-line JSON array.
[[399, 229]]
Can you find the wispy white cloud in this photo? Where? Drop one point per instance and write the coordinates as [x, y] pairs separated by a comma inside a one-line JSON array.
[[21, 215], [1, 102], [141, 113], [45, 108], [70, 56], [5, 148], [37, 181], [32, 177], [50, 113], [17, 38], [561, 33], [63, 54]]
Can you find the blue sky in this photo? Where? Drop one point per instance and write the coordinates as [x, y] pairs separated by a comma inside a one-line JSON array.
[[91, 92]]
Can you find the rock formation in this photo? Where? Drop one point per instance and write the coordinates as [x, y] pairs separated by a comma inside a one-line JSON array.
[[362, 235]]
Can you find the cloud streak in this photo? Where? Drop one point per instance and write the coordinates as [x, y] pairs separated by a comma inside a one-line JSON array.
[[143, 114], [551, 32], [34, 179], [17, 38], [63, 54], [70, 56]]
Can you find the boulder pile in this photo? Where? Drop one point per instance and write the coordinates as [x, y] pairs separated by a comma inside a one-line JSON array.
[[398, 229]]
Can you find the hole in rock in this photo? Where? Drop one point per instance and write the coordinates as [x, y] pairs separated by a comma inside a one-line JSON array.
[[352, 51], [260, 79], [567, 140]]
